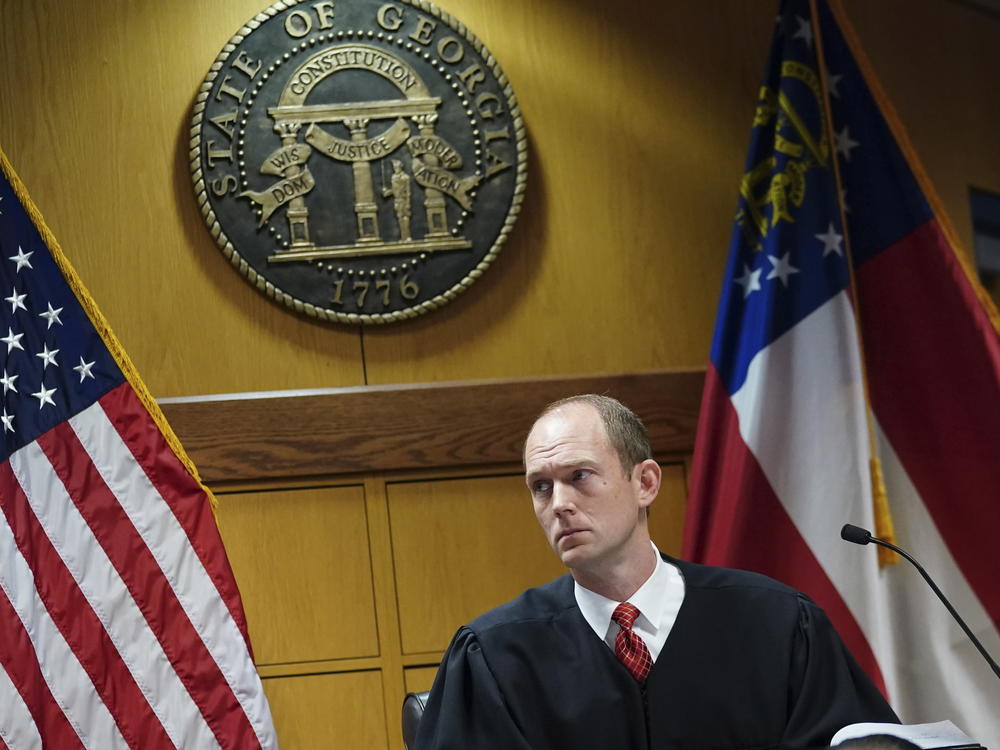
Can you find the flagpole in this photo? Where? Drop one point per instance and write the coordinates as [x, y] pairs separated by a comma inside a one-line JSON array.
[[880, 499]]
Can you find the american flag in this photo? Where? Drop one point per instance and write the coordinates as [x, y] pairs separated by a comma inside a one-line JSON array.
[[120, 622], [800, 353]]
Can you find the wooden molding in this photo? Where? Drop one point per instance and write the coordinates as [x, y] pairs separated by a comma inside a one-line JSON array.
[[248, 437]]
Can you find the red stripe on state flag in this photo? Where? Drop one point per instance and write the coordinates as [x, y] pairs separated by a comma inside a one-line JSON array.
[[80, 627], [934, 373], [151, 591], [186, 498], [17, 655], [738, 521]]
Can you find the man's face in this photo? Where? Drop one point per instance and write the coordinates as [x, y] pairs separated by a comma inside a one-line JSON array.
[[590, 511]]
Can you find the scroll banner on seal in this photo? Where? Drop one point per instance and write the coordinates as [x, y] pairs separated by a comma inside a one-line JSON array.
[[420, 145], [783, 440], [440, 179], [121, 625], [294, 155], [280, 193], [369, 149]]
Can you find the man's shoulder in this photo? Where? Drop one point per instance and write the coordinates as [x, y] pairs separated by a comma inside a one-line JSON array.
[[539, 604], [711, 578]]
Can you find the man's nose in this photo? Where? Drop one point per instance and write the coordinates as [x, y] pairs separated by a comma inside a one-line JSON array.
[[562, 499]]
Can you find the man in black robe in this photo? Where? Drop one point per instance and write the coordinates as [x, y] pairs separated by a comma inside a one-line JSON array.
[[709, 658]]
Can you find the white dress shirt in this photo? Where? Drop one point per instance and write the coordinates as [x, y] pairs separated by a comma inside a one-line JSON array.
[[658, 601]]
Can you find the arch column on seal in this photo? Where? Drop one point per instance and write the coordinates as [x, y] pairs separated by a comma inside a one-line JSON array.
[[434, 203], [297, 213], [365, 208]]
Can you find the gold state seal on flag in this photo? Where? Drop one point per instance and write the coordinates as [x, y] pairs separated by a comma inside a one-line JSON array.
[[358, 161]]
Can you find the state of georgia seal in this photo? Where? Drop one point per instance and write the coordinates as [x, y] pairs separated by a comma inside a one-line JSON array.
[[358, 161]]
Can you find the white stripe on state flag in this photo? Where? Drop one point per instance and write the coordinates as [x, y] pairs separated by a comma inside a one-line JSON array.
[[110, 599], [801, 413], [946, 677], [66, 678], [170, 547], [17, 726]]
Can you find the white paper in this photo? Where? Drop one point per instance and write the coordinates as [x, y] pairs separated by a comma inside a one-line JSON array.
[[937, 734]]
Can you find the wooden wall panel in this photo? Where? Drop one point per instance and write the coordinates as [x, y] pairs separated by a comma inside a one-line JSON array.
[[321, 712], [939, 67], [666, 519], [410, 427], [95, 117], [301, 560], [638, 118], [419, 679], [633, 172], [463, 546]]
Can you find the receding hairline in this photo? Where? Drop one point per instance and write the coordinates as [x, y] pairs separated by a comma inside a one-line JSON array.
[[622, 428]]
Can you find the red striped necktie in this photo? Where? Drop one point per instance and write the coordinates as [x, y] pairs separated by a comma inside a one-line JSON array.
[[629, 647]]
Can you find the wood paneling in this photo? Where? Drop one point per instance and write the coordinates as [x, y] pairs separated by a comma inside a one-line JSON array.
[[95, 117], [419, 679], [617, 258], [463, 546], [638, 120], [946, 101], [666, 518], [373, 578], [450, 541], [302, 562], [322, 712], [410, 427]]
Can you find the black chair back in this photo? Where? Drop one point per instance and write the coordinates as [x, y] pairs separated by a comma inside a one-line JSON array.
[[413, 709]]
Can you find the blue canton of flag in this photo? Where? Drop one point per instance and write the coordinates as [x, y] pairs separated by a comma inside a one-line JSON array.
[[787, 255], [54, 361]]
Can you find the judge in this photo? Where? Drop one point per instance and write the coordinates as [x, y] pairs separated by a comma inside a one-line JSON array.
[[634, 649]]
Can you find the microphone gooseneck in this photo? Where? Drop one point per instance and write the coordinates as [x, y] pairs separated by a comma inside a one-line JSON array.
[[858, 535]]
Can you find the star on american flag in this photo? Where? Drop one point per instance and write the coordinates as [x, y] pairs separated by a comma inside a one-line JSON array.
[[21, 259]]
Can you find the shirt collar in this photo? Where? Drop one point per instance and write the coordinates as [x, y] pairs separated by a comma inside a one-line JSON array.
[[597, 609]]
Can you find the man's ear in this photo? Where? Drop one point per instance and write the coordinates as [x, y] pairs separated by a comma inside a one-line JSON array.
[[649, 475]]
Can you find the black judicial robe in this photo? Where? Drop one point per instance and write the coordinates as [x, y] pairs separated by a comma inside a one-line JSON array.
[[749, 663]]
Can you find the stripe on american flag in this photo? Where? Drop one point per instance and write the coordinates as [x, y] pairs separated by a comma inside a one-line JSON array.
[[67, 573], [92, 603], [98, 547], [121, 622], [209, 625], [17, 725], [48, 654]]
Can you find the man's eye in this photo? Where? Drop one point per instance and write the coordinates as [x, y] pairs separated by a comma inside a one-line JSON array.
[[580, 474], [540, 488]]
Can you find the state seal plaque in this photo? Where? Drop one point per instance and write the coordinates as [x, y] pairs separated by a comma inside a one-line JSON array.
[[358, 161]]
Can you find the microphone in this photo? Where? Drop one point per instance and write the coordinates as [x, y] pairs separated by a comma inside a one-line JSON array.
[[857, 535]]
